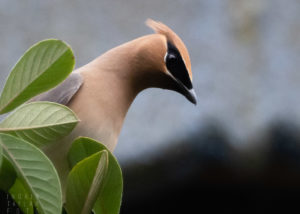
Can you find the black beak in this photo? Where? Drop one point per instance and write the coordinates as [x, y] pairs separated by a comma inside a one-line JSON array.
[[190, 94]]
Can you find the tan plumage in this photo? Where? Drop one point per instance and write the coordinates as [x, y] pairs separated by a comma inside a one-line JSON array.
[[111, 82], [161, 28]]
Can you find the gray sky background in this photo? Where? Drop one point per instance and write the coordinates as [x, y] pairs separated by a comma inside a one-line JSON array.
[[245, 59]]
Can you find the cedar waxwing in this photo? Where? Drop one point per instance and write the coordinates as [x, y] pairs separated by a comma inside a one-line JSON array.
[[101, 92]]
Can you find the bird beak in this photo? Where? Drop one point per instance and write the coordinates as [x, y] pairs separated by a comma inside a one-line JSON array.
[[190, 94], [178, 86]]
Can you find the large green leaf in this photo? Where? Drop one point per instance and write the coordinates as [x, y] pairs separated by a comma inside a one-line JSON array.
[[43, 66], [109, 201], [22, 197], [85, 183], [36, 173], [7, 175], [40, 122]]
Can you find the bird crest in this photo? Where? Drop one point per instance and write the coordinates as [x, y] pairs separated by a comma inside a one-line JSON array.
[[174, 39]]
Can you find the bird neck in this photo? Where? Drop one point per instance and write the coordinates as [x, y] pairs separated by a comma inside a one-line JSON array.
[[112, 81]]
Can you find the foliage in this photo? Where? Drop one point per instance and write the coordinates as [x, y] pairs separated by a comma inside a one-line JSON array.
[[35, 171], [85, 182], [40, 122], [42, 67], [109, 201], [95, 180]]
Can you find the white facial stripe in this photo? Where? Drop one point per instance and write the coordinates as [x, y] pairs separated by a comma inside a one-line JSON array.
[[168, 72], [165, 57]]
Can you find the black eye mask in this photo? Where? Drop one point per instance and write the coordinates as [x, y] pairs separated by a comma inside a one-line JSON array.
[[176, 66]]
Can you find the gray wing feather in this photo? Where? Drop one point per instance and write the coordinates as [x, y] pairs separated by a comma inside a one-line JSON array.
[[64, 92]]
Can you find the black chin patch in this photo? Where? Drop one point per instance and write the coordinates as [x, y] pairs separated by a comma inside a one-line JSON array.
[[176, 66]]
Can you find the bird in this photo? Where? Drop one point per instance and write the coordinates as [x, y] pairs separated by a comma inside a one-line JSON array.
[[101, 92]]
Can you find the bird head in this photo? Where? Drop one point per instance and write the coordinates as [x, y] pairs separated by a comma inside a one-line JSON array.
[[176, 65]]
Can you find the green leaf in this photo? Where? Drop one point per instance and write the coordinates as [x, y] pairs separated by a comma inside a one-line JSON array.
[[0, 157], [85, 182], [43, 66], [111, 196], [22, 197], [36, 173], [7, 175], [40, 122]]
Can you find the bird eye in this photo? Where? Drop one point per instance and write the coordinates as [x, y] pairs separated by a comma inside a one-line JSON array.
[[171, 57]]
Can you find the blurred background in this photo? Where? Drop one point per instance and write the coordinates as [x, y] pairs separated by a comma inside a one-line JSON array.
[[238, 150]]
